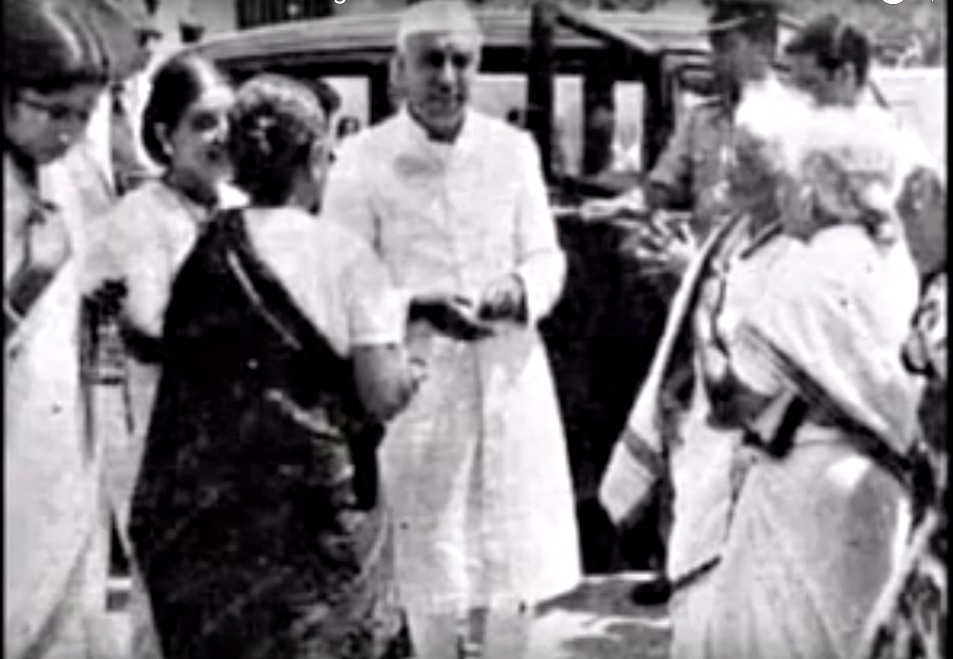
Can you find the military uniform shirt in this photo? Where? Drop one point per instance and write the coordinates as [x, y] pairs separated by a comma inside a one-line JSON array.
[[693, 167]]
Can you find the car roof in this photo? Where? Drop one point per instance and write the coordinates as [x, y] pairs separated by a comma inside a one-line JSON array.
[[357, 41]]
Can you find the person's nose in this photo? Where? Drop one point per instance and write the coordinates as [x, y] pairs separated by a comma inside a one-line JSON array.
[[447, 74], [219, 134]]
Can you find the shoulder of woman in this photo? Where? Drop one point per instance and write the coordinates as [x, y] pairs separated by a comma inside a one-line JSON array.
[[833, 256], [331, 241], [146, 200], [347, 245]]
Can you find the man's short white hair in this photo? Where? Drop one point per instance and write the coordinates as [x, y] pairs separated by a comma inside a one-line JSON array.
[[437, 16]]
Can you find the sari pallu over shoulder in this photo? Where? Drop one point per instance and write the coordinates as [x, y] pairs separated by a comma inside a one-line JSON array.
[[639, 458], [256, 518]]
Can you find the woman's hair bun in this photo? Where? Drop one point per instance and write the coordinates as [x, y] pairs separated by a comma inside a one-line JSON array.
[[273, 125]]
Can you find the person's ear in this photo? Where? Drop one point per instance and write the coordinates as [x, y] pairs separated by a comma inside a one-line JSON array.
[[398, 69], [164, 137], [845, 78], [318, 158], [852, 77]]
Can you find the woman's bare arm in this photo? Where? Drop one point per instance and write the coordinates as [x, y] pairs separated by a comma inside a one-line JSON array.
[[386, 379]]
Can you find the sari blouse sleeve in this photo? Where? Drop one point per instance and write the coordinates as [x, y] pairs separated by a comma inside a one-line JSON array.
[[133, 249], [836, 311]]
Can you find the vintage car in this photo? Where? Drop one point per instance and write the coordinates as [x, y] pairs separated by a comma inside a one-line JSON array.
[[571, 74]]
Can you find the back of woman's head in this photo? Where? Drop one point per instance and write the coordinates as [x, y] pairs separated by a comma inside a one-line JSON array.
[[273, 128], [176, 85], [52, 45]]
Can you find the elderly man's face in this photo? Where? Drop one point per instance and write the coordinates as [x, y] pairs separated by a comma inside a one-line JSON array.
[[436, 73]]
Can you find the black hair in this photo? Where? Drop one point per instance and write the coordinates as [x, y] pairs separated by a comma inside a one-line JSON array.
[[176, 85], [835, 43], [273, 126], [51, 46], [327, 96]]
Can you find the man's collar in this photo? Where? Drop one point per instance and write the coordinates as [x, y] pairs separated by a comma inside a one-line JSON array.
[[421, 135]]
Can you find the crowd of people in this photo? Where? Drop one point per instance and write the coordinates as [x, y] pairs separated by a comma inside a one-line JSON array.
[[778, 406], [343, 424]]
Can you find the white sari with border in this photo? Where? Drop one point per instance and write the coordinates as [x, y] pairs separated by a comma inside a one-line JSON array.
[[814, 533]]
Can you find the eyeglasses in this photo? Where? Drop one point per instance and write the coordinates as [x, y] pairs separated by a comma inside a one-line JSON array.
[[58, 112]]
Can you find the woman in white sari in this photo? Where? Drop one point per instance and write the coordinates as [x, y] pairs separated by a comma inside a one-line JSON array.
[[54, 57], [803, 348]]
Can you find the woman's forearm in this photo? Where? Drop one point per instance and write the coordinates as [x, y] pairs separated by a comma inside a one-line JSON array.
[[385, 380]]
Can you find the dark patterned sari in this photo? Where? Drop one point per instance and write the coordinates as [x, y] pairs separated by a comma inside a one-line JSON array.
[[256, 519]]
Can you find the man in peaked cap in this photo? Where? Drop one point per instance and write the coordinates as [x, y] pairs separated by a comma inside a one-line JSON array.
[[691, 175], [476, 467]]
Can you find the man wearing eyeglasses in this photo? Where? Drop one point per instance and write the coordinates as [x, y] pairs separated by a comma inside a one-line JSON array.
[[477, 468]]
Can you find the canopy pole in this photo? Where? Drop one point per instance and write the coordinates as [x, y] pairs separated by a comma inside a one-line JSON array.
[[540, 88]]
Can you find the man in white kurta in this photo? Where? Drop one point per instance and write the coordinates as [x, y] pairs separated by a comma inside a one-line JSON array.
[[476, 467]]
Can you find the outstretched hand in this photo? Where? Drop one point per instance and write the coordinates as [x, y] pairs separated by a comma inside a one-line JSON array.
[[450, 314], [47, 243], [666, 245], [107, 300], [503, 299], [631, 204]]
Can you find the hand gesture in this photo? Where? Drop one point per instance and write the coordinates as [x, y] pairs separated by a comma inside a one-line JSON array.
[[450, 314], [504, 299], [47, 242], [664, 246], [107, 300], [630, 204]]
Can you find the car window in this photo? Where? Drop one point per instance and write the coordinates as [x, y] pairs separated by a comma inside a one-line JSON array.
[[355, 96]]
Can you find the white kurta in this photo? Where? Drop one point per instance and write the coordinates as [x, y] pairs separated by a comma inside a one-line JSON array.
[[476, 467]]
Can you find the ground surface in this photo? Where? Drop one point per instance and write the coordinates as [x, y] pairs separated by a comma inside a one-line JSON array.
[[596, 621]]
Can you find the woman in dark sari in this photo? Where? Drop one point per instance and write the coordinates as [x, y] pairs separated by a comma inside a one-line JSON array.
[[256, 520]]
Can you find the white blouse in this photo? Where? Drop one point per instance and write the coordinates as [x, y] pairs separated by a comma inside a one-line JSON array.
[[334, 277], [143, 241]]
